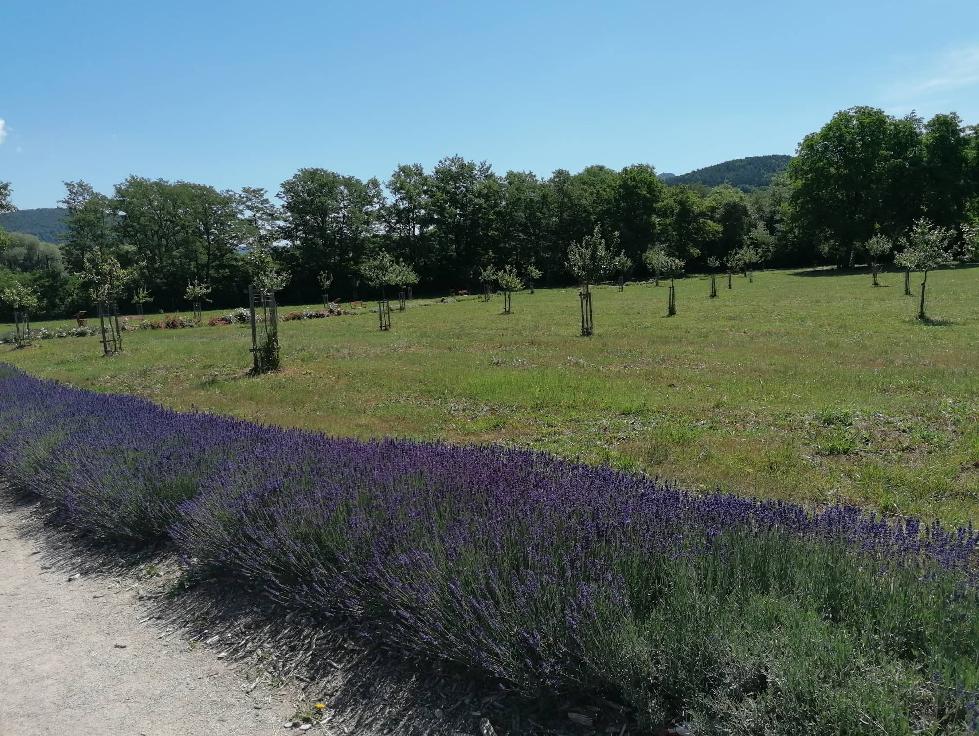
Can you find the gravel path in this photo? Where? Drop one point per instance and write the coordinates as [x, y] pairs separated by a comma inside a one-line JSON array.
[[78, 657]]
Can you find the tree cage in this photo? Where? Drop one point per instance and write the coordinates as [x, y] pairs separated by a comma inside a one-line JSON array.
[[22, 328], [264, 317], [587, 325], [384, 314], [109, 328]]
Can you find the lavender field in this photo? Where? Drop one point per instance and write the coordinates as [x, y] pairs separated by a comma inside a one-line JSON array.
[[542, 574]]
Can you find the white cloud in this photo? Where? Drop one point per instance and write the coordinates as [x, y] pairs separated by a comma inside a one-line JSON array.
[[3, 130], [951, 70]]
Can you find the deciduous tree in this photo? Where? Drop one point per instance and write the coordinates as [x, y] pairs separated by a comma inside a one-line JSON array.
[[926, 247], [878, 249]]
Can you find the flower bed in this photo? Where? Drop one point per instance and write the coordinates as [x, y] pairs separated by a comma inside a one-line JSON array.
[[239, 316], [546, 574], [333, 311], [173, 322], [43, 333]]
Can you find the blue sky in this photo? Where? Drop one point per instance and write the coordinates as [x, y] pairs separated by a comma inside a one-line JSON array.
[[245, 93]]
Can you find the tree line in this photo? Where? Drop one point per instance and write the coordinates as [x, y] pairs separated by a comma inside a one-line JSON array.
[[865, 174]]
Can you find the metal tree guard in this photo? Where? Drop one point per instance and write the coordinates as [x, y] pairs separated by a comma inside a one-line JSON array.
[[22, 328], [384, 314], [265, 346], [507, 301], [109, 328], [587, 325], [402, 295]]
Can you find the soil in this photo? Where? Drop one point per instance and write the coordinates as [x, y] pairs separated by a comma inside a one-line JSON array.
[[80, 654]]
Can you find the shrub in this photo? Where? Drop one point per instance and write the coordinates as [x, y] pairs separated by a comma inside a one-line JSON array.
[[739, 615], [239, 316], [177, 322], [313, 313]]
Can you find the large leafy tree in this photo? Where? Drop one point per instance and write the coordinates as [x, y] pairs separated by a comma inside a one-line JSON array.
[[596, 191], [330, 220], [92, 225], [260, 218], [972, 158], [406, 214], [686, 226], [155, 219], [6, 205], [729, 209], [946, 170], [465, 200], [522, 218], [639, 195], [861, 172], [216, 229]]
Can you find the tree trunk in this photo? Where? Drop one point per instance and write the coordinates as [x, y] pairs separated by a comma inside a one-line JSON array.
[[907, 283], [713, 286], [729, 280], [586, 312], [921, 305]]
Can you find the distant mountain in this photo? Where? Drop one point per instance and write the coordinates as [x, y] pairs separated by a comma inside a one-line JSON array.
[[743, 173], [45, 223]]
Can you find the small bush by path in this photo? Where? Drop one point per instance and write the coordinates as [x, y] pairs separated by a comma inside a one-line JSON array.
[[732, 615]]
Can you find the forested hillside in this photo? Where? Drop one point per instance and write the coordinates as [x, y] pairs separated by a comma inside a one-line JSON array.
[[44, 223], [744, 173], [864, 176]]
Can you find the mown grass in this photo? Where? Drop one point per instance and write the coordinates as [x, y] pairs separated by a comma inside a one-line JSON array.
[[808, 386], [551, 578]]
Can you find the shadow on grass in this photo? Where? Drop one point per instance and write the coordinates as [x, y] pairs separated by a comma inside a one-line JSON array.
[[831, 271], [865, 270], [368, 688], [934, 322]]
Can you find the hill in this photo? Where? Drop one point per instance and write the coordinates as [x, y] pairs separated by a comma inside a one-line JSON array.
[[45, 223], [745, 173]]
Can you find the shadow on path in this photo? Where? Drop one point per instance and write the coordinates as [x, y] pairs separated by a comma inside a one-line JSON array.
[[368, 688]]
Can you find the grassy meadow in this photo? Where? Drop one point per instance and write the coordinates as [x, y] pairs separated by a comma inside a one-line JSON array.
[[811, 386]]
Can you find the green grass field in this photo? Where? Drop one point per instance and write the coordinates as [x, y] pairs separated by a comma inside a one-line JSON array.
[[811, 386]]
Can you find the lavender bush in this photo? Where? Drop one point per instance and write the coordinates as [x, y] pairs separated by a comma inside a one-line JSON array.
[[738, 616]]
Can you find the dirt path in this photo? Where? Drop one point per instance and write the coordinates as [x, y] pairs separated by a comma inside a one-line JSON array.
[[77, 656]]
